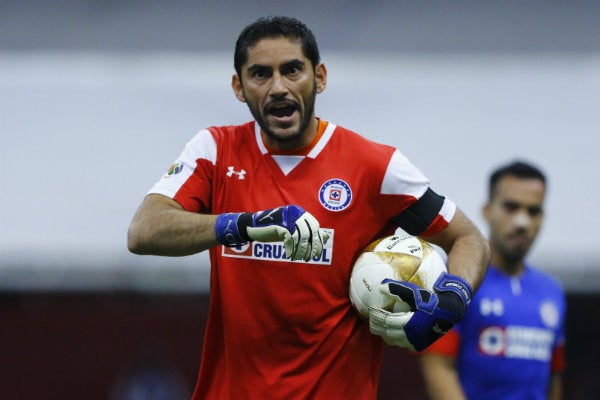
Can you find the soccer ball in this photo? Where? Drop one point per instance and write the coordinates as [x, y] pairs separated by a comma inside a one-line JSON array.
[[400, 257]]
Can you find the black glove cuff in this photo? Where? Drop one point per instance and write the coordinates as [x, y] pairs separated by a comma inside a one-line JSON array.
[[243, 222], [450, 301]]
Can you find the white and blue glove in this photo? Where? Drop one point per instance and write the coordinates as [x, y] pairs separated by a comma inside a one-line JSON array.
[[297, 229], [432, 313]]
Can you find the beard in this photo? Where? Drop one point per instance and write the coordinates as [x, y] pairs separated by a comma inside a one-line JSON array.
[[513, 254], [304, 118]]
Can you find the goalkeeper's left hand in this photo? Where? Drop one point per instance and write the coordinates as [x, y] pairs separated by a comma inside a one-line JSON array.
[[295, 227], [432, 313]]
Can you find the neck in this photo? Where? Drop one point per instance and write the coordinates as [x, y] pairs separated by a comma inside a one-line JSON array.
[[302, 141], [506, 265]]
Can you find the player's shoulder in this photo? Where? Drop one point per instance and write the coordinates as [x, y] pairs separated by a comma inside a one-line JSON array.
[[350, 135], [218, 137], [544, 278], [359, 147], [207, 142], [232, 131]]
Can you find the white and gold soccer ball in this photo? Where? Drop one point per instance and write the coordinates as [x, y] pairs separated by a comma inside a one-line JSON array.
[[400, 257]]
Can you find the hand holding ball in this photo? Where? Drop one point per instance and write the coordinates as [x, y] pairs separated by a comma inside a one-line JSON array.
[[400, 257]]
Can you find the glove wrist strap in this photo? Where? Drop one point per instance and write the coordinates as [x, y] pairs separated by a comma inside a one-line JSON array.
[[230, 228], [455, 284]]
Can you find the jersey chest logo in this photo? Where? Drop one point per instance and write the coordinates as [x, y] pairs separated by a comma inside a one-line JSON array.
[[489, 306], [335, 194], [549, 314], [231, 172]]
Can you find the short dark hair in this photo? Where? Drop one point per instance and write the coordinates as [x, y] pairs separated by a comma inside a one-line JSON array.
[[274, 27], [520, 169]]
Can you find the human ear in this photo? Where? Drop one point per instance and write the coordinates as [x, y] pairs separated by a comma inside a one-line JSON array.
[[238, 89], [485, 211], [321, 77]]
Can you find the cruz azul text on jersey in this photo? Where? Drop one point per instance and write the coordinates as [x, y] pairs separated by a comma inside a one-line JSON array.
[[275, 251]]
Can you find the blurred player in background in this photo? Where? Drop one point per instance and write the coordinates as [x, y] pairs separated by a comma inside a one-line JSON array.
[[510, 344], [281, 325]]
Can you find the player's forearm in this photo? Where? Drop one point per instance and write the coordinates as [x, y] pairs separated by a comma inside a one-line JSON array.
[[161, 228], [438, 391], [441, 378], [468, 258], [468, 251], [555, 387]]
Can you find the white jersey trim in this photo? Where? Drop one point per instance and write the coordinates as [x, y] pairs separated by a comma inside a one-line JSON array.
[[403, 178], [288, 162], [202, 146], [448, 209], [259, 141], [323, 141]]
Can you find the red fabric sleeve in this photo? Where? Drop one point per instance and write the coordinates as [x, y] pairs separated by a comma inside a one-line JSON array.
[[438, 224], [558, 362], [447, 345]]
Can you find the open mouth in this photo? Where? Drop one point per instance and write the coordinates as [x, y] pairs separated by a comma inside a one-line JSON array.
[[282, 110]]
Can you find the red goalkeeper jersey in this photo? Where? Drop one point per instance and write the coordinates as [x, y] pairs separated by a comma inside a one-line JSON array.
[[279, 329]]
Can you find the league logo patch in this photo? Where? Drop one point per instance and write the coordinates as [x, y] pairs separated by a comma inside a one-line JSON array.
[[175, 169], [335, 195]]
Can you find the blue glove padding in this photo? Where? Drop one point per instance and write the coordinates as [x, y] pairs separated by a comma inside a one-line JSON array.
[[297, 229], [433, 313]]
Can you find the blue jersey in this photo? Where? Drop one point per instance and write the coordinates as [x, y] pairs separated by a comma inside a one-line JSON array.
[[512, 333]]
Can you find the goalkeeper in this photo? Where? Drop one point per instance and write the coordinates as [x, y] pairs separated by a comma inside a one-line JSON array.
[[284, 203]]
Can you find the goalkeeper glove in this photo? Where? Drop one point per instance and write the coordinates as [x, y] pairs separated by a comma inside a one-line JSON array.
[[297, 229], [433, 313]]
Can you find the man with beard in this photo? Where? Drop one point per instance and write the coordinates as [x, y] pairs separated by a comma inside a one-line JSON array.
[[510, 343], [281, 325]]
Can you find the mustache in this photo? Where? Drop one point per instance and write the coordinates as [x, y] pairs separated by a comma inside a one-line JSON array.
[[281, 103], [519, 233]]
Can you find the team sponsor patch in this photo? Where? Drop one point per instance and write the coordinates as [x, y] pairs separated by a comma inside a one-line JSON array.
[[274, 251], [335, 195], [513, 341]]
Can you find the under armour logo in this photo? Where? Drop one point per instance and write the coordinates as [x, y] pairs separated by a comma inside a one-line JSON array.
[[231, 172], [491, 307]]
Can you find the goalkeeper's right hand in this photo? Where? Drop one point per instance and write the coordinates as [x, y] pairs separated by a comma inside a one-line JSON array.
[[433, 313], [296, 228]]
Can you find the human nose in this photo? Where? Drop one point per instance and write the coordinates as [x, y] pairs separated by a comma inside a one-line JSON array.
[[522, 219], [278, 86]]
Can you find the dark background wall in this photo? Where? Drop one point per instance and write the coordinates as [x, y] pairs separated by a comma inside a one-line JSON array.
[[59, 346]]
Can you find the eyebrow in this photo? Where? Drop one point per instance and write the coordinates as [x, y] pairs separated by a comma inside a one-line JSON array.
[[255, 67], [293, 62]]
